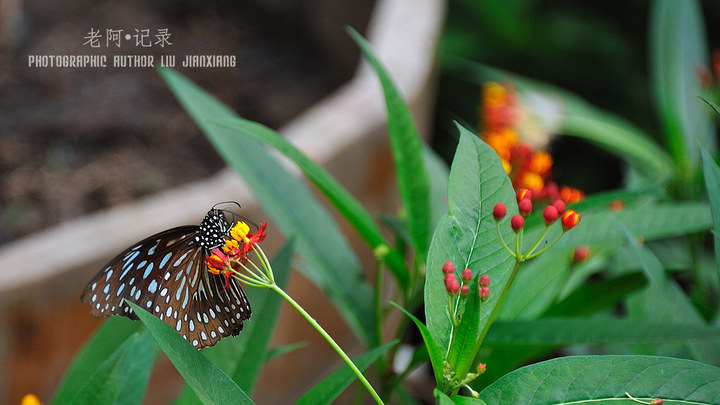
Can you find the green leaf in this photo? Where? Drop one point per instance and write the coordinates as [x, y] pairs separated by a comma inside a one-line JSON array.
[[665, 301], [210, 383], [711, 104], [107, 338], [583, 120], [537, 285], [590, 298], [433, 349], [568, 331], [467, 235], [712, 185], [466, 340], [123, 377], [659, 220], [288, 201], [345, 202], [678, 47], [327, 390], [407, 152], [605, 380], [279, 351]]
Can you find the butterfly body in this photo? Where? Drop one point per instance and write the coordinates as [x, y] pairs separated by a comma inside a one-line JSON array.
[[166, 275]]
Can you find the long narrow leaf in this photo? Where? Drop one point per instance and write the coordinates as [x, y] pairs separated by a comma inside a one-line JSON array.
[[210, 383], [345, 202], [122, 378], [108, 337], [712, 185], [678, 47], [433, 349], [407, 153], [327, 390], [569, 331], [328, 260]]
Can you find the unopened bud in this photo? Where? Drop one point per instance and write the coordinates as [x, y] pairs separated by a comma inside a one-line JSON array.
[[484, 293], [581, 253], [484, 280], [550, 214], [481, 368], [466, 276], [559, 206], [448, 268], [525, 207], [451, 284], [517, 222], [499, 211], [570, 219], [464, 291], [656, 401]]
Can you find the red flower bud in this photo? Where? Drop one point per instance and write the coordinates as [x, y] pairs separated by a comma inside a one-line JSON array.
[[616, 205], [499, 211], [448, 268], [517, 222], [466, 275], [484, 280], [656, 401], [570, 219], [525, 207], [481, 368], [464, 291], [581, 253], [484, 293], [559, 206], [451, 284], [522, 194], [550, 214]]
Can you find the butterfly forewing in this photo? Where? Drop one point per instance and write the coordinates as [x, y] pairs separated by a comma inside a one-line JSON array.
[[166, 275]]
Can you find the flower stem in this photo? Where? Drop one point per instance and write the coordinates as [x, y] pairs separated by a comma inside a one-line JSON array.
[[330, 340]]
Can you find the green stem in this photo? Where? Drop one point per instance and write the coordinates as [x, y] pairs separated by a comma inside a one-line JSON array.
[[543, 250], [330, 340], [497, 227], [496, 308], [537, 243]]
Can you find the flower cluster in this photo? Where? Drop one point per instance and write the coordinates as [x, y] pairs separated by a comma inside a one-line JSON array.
[[455, 288], [231, 259], [518, 137], [568, 218]]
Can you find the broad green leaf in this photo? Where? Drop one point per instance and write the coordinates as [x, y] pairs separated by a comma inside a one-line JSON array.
[[605, 380], [581, 119], [290, 204], [459, 400], [678, 48], [466, 341], [441, 398], [654, 221], [107, 338], [537, 285], [433, 349], [467, 236], [123, 377], [712, 185], [280, 351], [327, 390], [345, 202], [568, 331], [407, 150], [243, 356], [210, 383], [593, 297]]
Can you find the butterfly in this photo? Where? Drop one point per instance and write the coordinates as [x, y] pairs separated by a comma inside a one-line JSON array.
[[166, 275]]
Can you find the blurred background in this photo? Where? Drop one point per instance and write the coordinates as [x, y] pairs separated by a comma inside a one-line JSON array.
[[76, 141]]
